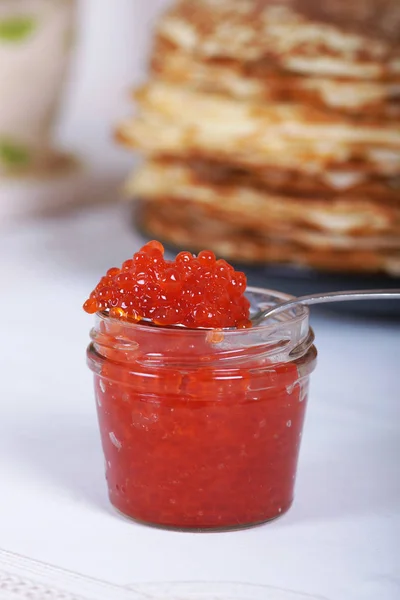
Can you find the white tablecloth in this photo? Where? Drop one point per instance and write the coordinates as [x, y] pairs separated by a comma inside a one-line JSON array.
[[339, 541]]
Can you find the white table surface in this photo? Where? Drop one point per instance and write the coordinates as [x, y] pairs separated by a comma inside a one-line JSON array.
[[341, 538]]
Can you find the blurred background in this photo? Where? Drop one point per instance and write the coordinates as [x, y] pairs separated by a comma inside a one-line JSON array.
[[93, 51], [254, 136]]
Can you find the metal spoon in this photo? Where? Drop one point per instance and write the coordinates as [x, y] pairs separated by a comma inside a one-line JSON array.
[[262, 315]]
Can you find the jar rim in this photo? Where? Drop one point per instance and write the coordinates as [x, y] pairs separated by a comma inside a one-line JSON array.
[[290, 317], [285, 337]]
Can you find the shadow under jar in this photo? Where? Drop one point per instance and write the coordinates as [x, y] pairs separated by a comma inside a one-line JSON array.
[[201, 429]]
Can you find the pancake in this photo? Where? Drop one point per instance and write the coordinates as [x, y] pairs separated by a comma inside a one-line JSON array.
[[362, 99], [331, 38], [270, 131], [327, 183], [342, 221], [185, 123], [192, 227]]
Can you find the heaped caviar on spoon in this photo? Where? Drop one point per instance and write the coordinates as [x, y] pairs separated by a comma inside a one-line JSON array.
[[193, 291]]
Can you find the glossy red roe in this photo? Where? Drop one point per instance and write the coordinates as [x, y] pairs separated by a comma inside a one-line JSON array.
[[199, 452], [193, 437], [200, 425], [194, 291]]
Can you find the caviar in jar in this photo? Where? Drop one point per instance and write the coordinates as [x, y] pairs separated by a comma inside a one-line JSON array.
[[201, 428]]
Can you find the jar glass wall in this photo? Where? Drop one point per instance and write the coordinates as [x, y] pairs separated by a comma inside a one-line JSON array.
[[201, 429]]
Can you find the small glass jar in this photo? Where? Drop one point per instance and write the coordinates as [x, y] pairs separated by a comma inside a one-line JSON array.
[[201, 429]]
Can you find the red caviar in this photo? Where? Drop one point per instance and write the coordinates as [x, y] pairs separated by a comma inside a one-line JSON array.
[[200, 426], [194, 291]]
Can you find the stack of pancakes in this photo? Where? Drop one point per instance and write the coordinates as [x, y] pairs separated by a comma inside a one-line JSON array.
[[271, 132]]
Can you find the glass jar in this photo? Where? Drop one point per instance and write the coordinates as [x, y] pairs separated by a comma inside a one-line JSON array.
[[201, 429]]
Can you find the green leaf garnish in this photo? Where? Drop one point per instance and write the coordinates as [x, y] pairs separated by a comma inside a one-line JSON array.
[[17, 29], [13, 155]]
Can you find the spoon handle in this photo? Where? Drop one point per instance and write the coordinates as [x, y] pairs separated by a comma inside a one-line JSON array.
[[327, 297]]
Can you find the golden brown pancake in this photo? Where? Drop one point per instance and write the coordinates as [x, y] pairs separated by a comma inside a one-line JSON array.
[[271, 132], [342, 221], [185, 123], [362, 99], [295, 183], [188, 226], [356, 39]]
